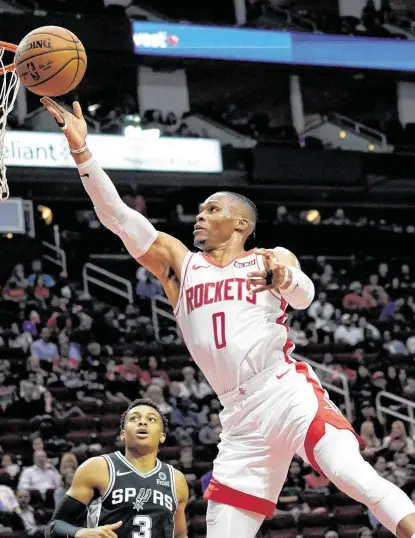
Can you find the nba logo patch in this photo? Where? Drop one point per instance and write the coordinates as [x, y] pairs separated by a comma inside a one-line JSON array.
[[162, 479], [241, 265]]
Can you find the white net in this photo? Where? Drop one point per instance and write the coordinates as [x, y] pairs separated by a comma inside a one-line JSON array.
[[9, 86]]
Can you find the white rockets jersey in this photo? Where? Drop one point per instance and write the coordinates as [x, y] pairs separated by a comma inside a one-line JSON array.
[[230, 334]]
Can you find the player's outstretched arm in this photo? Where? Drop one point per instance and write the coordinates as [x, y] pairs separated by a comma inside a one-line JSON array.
[[182, 492], [91, 475], [158, 252]]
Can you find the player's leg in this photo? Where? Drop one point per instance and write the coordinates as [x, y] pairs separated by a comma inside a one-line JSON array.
[[228, 521], [247, 475], [337, 455]]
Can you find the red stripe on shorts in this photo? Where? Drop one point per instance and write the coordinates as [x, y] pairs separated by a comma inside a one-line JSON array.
[[324, 415], [224, 494]]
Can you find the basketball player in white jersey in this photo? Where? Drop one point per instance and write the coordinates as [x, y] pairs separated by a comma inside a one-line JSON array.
[[230, 306]]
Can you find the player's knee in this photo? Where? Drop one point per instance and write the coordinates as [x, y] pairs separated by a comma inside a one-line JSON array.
[[357, 478], [339, 457]]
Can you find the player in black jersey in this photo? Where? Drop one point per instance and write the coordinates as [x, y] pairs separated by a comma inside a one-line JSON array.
[[131, 496]]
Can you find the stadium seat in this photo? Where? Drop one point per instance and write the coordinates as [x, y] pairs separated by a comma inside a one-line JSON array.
[[281, 521]]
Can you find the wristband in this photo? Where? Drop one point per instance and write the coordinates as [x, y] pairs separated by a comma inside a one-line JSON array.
[[78, 151]]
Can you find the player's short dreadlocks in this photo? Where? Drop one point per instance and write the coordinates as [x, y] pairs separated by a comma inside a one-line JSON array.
[[149, 403], [249, 203]]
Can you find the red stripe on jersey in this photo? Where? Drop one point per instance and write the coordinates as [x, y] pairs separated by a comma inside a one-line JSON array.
[[327, 413], [182, 285], [289, 345], [216, 264], [225, 495]]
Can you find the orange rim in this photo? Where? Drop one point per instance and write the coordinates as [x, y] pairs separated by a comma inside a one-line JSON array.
[[12, 48]]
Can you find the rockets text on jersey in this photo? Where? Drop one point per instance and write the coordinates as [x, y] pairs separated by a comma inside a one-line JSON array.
[[231, 333]]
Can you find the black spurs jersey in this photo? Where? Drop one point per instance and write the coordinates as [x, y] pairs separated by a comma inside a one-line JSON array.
[[145, 503]]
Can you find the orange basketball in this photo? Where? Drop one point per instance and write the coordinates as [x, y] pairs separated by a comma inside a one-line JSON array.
[[50, 61]]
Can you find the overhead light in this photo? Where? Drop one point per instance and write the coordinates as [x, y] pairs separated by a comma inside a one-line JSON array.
[[313, 216], [371, 147], [94, 108], [9, 235], [343, 134], [46, 213]]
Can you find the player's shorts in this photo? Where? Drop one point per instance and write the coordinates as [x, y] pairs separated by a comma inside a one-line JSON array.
[[276, 414]]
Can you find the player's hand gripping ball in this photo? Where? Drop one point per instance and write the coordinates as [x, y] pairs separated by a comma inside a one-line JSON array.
[[276, 275]]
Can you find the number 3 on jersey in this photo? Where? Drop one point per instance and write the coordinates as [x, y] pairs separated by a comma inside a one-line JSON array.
[[144, 524], [219, 335]]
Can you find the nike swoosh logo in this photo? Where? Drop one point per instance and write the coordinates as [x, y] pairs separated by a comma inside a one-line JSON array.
[[282, 375], [196, 267], [122, 474], [85, 175]]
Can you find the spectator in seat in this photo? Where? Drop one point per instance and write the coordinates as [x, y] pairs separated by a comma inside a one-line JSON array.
[[41, 475], [379, 381], [382, 467], [26, 512], [392, 311], [393, 346], [348, 333], [408, 390], [321, 310], [398, 440], [185, 415], [15, 288], [67, 474], [37, 444], [189, 386], [155, 393], [8, 500], [174, 393], [369, 331], [40, 280], [186, 464], [373, 443], [150, 287], [331, 533], [383, 274], [406, 276], [204, 389], [393, 384], [210, 434], [129, 371], [367, 412], [374, 293], [297, 335], [44, 349], [354, 300], [364, 532], [158, 375], [402, 471], [7, 466]]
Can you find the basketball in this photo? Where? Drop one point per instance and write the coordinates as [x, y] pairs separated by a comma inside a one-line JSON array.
[[50, 61]]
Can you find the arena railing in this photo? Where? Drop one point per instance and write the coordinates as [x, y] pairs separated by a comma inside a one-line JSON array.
[[383, 408], [343, 391], [157, 311], [118, 289], [54, 253]]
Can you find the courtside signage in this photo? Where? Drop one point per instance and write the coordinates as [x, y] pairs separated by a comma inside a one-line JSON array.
[[252, 45], [50, 150]]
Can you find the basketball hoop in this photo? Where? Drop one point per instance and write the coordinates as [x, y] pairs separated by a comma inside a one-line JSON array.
[[9, 87]]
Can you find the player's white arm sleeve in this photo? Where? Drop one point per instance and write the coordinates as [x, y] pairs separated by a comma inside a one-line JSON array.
[[300, 293], [136, 232]]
